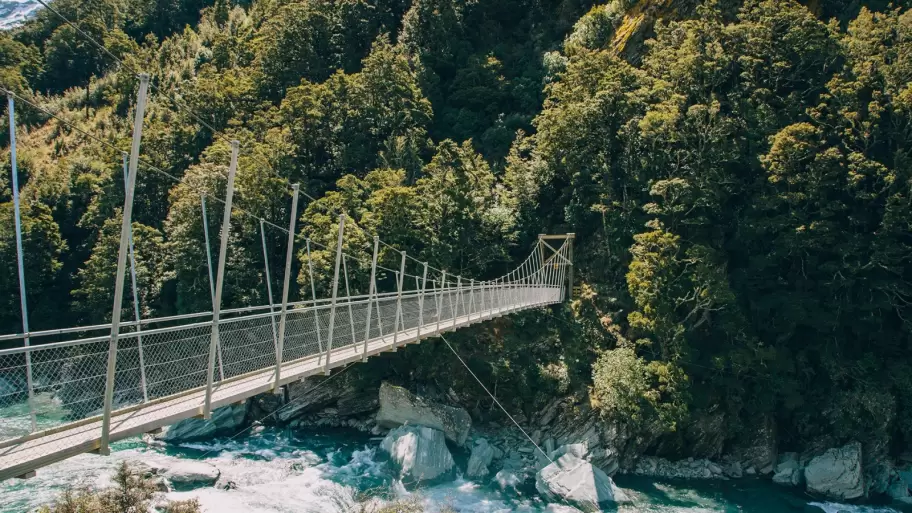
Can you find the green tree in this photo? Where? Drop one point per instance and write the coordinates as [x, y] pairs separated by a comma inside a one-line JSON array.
[[43, 251], [294, 44], [95, 294]]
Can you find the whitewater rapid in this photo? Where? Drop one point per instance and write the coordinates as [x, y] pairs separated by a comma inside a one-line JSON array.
[[280, 471]]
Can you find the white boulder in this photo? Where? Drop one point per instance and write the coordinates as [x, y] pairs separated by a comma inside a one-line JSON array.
[[225, 420], [836, 473], [418, 454], [192, 474], [576, 482]]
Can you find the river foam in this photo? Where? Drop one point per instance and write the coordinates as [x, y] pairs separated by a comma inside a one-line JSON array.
[[280, 471]]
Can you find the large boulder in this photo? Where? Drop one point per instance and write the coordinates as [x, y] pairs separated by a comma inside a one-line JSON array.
[[482, 456], [576, 482], [419, 454], [225, 421], [398, 406], [192, 474], [836, 473]]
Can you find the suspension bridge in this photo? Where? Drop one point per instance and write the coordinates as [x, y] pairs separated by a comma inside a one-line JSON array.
[[69, 391]]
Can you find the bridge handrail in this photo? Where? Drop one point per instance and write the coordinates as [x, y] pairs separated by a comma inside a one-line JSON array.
[[342, 302]]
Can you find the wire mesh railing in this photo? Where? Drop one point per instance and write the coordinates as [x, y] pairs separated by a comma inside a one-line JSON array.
[[171, 360]]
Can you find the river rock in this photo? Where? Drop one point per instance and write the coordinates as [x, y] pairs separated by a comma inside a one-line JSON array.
[[575, 481], [482, 456], [836, 473], [878, 473], [906, 474], [549, 445], [192, 474], [225, 420], [683, 469], [418, 454], [153, 474], [560, 508], [399, 406], [733, 470], [788, 471]]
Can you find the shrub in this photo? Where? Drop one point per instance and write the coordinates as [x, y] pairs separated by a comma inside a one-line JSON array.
[[132, 493]]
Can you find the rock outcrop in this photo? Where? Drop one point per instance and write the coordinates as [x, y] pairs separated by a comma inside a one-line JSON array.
[[192, 474], [418, 454], [225, 421], [481, 457], [338, 399], [836, 473], [576, 482], [609, 445], [398, 406], [263, 407]]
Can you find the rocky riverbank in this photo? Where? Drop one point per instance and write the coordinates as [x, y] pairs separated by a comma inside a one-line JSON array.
[[422, 430]]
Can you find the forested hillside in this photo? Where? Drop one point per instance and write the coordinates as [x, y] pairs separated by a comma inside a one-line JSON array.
[[738, 176]]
